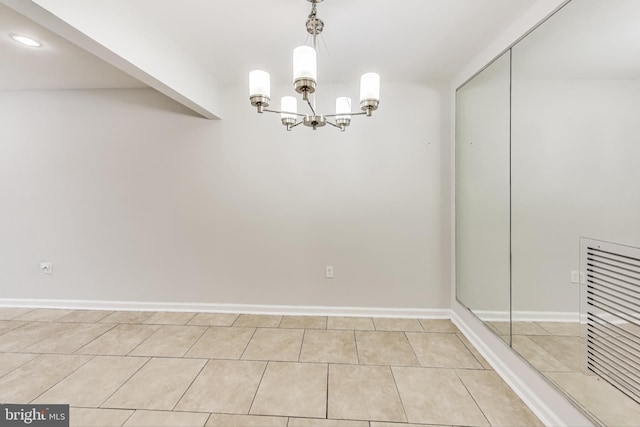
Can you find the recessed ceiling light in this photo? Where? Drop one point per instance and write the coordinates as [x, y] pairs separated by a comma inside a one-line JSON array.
[[27, 41]]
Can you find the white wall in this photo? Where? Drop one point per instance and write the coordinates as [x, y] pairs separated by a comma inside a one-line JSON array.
[[134, 199]]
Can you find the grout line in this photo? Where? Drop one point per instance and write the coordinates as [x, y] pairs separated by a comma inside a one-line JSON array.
[[258, 388], [95, 338], [404, 411], [413, 350], [63, 378], [196, 340], [144, 340], [248, 342], [195, 377], [124, 382], [304, 333], [472, 396], [130, 415], [326, 408], [355, 340], [35, 356]]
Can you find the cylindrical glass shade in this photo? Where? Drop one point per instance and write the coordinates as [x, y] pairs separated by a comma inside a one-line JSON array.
[[304, 63], [370, 86], [289, 104], [259, 83], [343, 108]]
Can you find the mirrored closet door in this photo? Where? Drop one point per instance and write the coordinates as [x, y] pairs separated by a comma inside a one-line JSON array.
[[573, 193]]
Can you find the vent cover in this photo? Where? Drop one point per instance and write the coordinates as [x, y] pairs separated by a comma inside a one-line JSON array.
[[613, 313]]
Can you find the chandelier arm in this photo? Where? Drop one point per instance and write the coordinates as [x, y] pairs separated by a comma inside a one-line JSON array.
[[313, 110], [283, 112], [357, 113]]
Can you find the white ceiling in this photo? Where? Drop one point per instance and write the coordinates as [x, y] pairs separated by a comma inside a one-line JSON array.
[[58, 64], [188, 49], [403, 40]]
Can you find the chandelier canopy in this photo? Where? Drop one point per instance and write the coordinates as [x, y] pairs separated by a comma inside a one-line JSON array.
[[305, 79]]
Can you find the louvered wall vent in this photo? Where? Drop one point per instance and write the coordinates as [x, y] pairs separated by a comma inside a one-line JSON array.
[[613, 313]]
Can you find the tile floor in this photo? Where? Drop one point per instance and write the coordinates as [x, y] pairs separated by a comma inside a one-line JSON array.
[[206, 369], [559, 351]]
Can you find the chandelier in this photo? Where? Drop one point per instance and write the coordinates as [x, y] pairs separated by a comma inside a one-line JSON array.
[[305, 81]]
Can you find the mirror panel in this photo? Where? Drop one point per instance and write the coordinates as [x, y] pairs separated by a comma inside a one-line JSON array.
[[547, 174], [575, 157], [482, 193]]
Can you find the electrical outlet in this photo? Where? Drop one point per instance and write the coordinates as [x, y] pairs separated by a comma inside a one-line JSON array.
[[328, 271], [583, 278], [46, 267], [575, 277]]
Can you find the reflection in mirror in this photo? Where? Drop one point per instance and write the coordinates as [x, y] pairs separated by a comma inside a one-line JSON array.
[[482, 193], [575, 173]]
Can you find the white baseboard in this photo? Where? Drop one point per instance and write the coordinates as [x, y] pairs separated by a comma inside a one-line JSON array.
[[528, 316], [414, 313], [520, 387]]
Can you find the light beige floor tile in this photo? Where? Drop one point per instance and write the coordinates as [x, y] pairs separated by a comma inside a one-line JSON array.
[[120, 340], [128, 317], [609, 405], [436, 396], [474, 351], [292, 389], [226, 420], [562, 328], [70, 338], [304, 322], [166, 419], [329, 346], [519, 328], [85, 316], [377, 424], [44, 315], [385, 324], [258, 321], [445, 326], [441, 351], [363, 393], [10, 361], [27, 382], [274, 344], [94, 382], [501, 328], [91, 417], [356, 323], [385, 348], [498, 402], [536, 355], [9, 313], [23, 337], [10, 325], [158, 385], [222, 343], [213, 319], [170, 318], [570, 351], [226, 386], [323, 422], [169, 341]]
